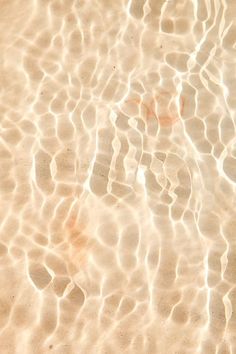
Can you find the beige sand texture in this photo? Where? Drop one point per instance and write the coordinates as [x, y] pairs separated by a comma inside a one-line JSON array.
[[118, 176]]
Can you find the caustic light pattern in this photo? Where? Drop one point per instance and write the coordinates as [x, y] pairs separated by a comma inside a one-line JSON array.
[[117, 177]]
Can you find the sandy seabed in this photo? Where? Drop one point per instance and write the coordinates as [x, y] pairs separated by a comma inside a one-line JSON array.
[[117, 177]]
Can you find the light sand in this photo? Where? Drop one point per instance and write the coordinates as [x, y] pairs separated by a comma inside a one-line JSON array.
[[117, 177]]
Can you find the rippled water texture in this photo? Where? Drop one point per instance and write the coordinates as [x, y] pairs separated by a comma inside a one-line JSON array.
[[118, 176]]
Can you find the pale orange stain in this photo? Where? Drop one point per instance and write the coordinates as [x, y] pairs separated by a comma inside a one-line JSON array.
[[79, 241], [158, 108]]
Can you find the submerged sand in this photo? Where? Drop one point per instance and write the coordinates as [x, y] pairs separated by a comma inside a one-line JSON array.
[[117, 178]]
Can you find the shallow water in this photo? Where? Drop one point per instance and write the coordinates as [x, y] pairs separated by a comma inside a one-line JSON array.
[[118, 174]]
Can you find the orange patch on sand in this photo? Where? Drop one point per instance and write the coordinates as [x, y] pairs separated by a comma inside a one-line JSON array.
[[79, 242], [162, 107]]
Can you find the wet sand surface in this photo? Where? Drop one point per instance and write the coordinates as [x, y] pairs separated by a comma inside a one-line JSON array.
[[118, 176]]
